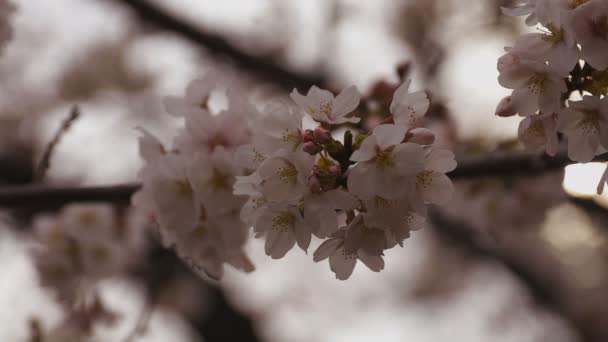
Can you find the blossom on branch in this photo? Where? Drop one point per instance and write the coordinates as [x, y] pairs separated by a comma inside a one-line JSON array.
[[239, 167]]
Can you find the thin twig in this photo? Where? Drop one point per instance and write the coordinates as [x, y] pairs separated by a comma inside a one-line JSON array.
[[45, 162], [261, 66]]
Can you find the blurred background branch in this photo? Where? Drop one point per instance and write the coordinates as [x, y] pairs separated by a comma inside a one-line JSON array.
[[262, 67]]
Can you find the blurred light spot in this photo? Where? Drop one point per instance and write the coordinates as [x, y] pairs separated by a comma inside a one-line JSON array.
[[582, 179], [568, 229]]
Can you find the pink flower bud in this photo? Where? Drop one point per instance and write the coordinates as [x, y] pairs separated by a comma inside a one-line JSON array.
[[335, 170], [308, 135], [505, 107], [421, 136], [314, 185], [311, 148], [322, 135]]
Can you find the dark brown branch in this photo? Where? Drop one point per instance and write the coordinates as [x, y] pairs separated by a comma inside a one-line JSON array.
[[261, 66], [44, 197], [512, 164], [45, 161], [494, 164]]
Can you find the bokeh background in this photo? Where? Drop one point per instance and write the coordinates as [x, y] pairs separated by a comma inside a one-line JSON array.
[[516, 259]]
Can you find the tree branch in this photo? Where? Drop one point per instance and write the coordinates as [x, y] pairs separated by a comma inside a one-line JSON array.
[[513, 164], [45, 161], [494, 164], [45, 197], [261, 66]]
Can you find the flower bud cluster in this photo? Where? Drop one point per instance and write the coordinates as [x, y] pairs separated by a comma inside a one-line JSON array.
[[241, 168], [569, 53]]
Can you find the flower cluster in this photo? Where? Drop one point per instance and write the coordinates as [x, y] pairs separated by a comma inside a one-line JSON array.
[[84, 244], [569, 53], [242, 167]]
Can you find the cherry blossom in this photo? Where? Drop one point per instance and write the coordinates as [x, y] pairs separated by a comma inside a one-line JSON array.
[[238, 168], [168, 195], [195, 101], [282, 225], [555, 46], [352, 243], [408, 109], [284, 176], [539, 132], [586, 124], [431, 185], [537, 86], [383, 161], [397, 218], [321, 105], [590, 28]]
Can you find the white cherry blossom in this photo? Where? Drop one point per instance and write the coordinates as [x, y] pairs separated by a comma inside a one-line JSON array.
[[321, 105], [590, 28], [555, 46], [586, 125], [397, 218], [212, 177], [539, 132], [320, 210], [168, 196], [408, 109], [349, 244], [282, 225], [150, 147], [537, 86], [216, 240], [431, 185], [284, 176], [196, 98], [383, 162], [205, 132]]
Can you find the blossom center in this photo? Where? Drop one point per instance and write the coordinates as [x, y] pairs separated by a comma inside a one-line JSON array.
[[183, 189], [537, 128], [293, 137], [384, 203], [590, 123], [283, 221], [288, 174], [257, 156], [536, 83], [554, 35], [219, 181], [385, 159], [326, 108], [408, 219], [424, 178], [257, 203], [348, 256]]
